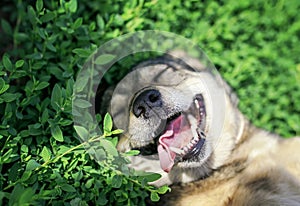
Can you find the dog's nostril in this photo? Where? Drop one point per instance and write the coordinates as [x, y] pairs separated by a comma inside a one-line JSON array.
[[153, 98], [145, 102]]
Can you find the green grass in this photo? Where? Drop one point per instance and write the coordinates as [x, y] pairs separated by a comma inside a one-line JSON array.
[[43, 45]]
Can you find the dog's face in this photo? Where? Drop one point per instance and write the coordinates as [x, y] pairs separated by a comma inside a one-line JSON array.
[[173, 113]]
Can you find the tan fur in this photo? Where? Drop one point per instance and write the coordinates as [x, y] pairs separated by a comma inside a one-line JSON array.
[[262, 170], [247, 166]]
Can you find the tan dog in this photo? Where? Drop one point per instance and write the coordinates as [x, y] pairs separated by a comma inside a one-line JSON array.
[[188, 128]]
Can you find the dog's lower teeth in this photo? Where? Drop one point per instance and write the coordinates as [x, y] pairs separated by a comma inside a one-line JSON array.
[[196, 139], [190, 145], [196, 104], [176, 150]]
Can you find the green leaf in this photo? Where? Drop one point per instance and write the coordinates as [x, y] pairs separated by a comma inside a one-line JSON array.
[[50, 46], [42, 33], [7, 63], [154, 197], [9, 97], [116, 181], [45, 116], [48, 17], [6, 157], [2, 82], [100, 22], [92, 26], [14, 172], [36, 56], [32, 165], [72, 6], [163, 189], [109, 147], [149, 176], [26, 175], [81, 83], [39, 5], [104, 59], [99, 153], [68, 188], [45, 154], [81, 103], [31, 15], [82, 132], [62, 149], [84, 53], [117, 131], [57, 133], [77, 23], [65, 122], [42, 85], [20, 36], [107, 123], [21, 196], [102, 200], [132, 152], [6, 27], [19, 63], [33, 130], [24, 149], [56, 97], [3, 86], [89, 183], [114, 141], [69, 87]]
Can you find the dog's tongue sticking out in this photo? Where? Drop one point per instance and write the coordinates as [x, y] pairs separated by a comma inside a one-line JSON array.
[[177, 135]]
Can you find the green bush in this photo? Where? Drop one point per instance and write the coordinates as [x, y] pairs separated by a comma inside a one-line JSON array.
[[254, 44]]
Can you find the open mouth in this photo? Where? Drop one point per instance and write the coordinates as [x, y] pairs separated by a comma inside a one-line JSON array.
[[183, 136]]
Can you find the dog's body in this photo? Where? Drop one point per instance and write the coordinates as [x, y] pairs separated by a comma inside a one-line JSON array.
[[262, 170], [203, 145]]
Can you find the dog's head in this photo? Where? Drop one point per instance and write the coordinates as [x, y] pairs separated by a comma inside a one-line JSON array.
[[180, 116]]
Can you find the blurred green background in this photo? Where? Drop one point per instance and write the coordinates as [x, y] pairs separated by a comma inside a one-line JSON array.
[[255, 45]]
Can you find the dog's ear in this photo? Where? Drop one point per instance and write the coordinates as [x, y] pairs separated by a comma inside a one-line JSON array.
[[232, 95], [193, 62]]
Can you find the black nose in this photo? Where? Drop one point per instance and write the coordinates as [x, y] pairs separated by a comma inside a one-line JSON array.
[[145, 101]]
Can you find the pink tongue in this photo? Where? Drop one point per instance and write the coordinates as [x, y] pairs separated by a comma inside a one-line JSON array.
[[171, 138], [166, 157]]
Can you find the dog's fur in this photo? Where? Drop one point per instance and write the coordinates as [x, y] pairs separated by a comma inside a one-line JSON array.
[[241, 165]]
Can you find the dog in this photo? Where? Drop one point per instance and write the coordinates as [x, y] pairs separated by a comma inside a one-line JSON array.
[[185, 121]]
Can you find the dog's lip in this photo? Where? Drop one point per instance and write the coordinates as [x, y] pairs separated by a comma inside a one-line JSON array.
[[173, 117]]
